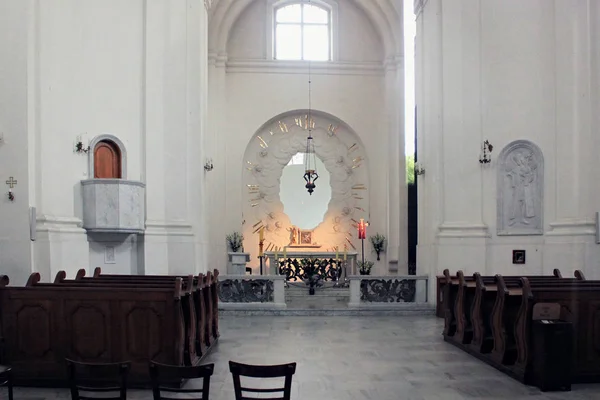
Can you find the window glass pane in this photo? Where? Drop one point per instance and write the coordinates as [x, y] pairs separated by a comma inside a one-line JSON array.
[[291, 13], [315, 15], [316, 42], [288, 42]]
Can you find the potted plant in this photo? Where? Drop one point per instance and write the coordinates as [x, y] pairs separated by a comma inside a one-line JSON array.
[[311, 274], [235, 241], [378, 243], [364, 267], [237, 257]]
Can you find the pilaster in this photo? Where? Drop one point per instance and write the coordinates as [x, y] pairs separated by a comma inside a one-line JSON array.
[[169, 237]]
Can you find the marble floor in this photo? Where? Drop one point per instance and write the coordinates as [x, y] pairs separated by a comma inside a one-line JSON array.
[[347, 358]]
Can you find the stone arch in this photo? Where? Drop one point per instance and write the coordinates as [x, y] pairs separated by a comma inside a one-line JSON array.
[[520, 189], [269, 151], [111, 138], [382, 14]]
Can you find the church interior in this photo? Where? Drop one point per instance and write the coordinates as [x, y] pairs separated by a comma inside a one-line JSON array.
[[305, 199]]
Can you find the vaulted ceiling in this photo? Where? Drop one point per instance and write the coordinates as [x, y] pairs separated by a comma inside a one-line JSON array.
[[385, 15]]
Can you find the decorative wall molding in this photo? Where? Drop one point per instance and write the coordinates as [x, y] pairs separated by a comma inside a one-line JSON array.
[[520, 189], [572, 228], [208, 4], [463, 230], [269, 152], [55, 224], [168, 228], [300, 67], [418, 6]]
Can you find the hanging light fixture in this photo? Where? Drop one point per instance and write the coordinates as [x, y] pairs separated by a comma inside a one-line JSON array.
[[310, 158]]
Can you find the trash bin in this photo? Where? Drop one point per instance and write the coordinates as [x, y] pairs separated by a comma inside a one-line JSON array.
[[552, 345]]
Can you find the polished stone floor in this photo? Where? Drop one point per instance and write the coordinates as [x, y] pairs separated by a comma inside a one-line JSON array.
[[347, 358]]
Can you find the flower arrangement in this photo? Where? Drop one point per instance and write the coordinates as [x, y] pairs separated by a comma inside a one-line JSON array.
[[364, 267], [235, 241], [378, 243]]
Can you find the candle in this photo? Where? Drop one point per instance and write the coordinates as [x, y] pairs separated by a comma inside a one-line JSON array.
[[336, 253], [285, 253], [276, 250], [261, 236], [345, 253]]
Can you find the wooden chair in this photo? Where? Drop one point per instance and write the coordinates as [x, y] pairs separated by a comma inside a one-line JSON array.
[[262, 371], [98, 378], [163, 375], [6, 380]]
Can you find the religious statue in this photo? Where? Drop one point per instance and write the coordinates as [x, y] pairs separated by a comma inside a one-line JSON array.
[[522, 181], [293, 235]]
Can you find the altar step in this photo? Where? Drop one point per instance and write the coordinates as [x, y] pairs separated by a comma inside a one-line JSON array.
[[329, 298]]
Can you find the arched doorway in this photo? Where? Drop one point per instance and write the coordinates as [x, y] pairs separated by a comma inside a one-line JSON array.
[[107, 160]]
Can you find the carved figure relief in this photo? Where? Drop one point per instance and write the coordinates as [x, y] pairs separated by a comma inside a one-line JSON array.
[[520, 189]]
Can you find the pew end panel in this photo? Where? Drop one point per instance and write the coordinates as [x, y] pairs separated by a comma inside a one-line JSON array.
[[46, 324]]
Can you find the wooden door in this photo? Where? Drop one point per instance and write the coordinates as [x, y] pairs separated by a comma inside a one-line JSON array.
[[107, 160]]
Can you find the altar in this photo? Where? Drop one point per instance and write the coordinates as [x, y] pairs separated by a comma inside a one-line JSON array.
[[328, 262]]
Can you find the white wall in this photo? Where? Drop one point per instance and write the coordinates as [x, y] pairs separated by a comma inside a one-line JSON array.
[[247, 89], [134, 69], [504, 70], [15, 128]]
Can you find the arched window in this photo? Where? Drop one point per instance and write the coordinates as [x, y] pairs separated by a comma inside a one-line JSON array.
[[107, 160], [302, 32]]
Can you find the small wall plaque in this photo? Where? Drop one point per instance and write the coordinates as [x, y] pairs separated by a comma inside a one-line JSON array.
[[518, 257], [549, 311], [109, 255]]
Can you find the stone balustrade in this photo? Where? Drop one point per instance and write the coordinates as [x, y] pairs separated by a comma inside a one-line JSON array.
[[386, 291], [247, 292]]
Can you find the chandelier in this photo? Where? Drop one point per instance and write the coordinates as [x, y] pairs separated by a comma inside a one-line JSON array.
[[310, 158]]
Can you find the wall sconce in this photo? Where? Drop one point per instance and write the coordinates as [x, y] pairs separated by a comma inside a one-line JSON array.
[[79, 146], [486, 150], [208, 165], [419, 170]]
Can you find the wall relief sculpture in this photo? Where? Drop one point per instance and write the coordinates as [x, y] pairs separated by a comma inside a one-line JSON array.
[[520, 192]]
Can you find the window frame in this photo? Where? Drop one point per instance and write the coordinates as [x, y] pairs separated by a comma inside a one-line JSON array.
[[331, 6]]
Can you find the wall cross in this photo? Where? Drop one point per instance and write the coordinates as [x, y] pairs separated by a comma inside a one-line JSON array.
[[11, 182]]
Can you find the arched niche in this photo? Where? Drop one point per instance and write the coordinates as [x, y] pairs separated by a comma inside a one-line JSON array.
[[269, 152], [520, 189], [113, 157]]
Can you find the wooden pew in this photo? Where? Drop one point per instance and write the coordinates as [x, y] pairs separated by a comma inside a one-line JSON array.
[[580, 303], [209, 298], [188, 309], [197, 307], [458, 303], [46, 323], [505, 342]]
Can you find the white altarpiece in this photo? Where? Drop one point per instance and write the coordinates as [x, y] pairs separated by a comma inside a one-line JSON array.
[[344, 157]]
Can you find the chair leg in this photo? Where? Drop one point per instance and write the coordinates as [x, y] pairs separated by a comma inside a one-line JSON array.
[[9, 384]]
